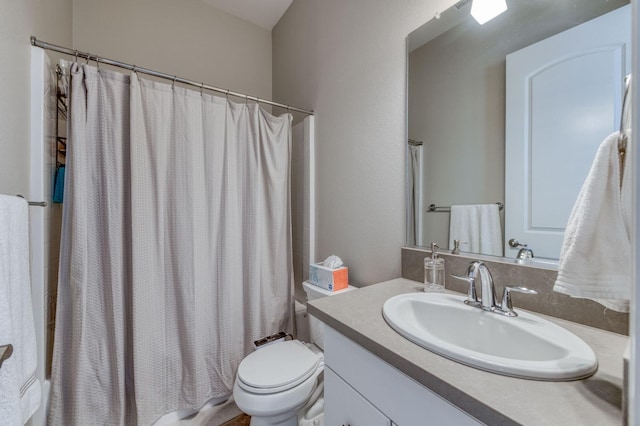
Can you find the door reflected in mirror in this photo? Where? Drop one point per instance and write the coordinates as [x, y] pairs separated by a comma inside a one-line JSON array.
[[511, 111]]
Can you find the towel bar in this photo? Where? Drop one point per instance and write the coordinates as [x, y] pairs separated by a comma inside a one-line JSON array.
[[440, 209], [34, 203]]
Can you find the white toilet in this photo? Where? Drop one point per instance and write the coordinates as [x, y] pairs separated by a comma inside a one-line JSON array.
[[281, 381]]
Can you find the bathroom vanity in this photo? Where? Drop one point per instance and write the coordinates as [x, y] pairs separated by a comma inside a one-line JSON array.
[[374, 376]]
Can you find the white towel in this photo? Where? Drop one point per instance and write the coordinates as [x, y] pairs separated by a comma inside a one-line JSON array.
[[20, 391], [479, 226], [595, 260]]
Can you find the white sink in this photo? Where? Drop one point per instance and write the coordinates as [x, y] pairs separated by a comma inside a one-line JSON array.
[[525, 346]]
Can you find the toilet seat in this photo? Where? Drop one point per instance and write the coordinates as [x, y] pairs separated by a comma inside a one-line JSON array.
[[278, 367], [286, 403]]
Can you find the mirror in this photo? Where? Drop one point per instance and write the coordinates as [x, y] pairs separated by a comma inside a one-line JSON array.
[[457, 98]]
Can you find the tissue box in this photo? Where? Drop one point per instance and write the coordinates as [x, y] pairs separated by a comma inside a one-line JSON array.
[[328, 278]]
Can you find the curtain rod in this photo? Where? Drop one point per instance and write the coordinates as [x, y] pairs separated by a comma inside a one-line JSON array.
[[88, 56]]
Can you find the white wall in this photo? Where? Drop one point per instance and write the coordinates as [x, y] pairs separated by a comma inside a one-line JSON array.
[[187, 38], [346, 60], [19, 19]]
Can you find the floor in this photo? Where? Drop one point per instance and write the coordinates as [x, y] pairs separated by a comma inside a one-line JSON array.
[[241, 420], [227, 414]]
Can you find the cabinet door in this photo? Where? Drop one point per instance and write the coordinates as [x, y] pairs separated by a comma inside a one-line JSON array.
[[343, 406]]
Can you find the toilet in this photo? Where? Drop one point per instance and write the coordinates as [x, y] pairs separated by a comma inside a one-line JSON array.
[[282, 382]]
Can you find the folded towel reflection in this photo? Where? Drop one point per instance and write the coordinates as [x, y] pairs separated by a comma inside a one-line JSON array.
[[479, 225], [595, 260]]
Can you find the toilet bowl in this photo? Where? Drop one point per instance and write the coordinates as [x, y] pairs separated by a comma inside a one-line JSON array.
[[278, 384]]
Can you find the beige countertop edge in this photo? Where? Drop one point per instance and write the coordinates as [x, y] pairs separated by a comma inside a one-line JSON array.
[[491, 398]]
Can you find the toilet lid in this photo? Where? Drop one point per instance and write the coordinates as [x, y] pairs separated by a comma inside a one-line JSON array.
[[278, 367]]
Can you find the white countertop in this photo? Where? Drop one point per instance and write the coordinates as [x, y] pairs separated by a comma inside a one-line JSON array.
[[491, 398]]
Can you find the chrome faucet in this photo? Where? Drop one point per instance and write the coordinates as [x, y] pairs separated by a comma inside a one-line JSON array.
[[488, 300]]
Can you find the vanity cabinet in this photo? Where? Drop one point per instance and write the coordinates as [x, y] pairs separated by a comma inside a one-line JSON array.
[[362, 389], [348, 407]]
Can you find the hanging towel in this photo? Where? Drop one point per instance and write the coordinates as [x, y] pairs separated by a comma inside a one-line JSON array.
[[58, 186], [595, 260], [479, 226], [20, 391]]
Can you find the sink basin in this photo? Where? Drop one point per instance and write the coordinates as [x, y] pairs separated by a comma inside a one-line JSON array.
[[525, 346]]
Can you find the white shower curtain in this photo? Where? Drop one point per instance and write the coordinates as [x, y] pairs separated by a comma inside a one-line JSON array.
[[176, 247], [414, 195]]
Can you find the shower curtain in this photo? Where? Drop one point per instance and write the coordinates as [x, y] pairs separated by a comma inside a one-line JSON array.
[[414, 195], [176, 247]]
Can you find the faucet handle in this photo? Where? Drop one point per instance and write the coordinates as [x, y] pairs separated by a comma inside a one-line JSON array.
[[472, 294], [506, 307], [456, 246], [524, 253]]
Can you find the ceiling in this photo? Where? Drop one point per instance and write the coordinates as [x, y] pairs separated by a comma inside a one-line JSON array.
[[264, 13]]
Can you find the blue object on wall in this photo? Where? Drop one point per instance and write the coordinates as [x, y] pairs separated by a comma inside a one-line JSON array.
[[58, 186]]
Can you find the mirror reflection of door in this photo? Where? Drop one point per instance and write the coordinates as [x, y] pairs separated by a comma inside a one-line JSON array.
[[563, 97]]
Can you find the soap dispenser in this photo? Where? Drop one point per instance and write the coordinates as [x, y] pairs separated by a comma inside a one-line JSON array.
[[434, 271]]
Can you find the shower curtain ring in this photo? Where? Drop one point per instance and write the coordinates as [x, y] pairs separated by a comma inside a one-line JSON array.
[[227, 94], [173, 83], [201, 87], [87, 58], [76, 56]]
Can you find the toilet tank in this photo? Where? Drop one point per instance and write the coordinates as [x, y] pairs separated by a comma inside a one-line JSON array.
[[316, 327]]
